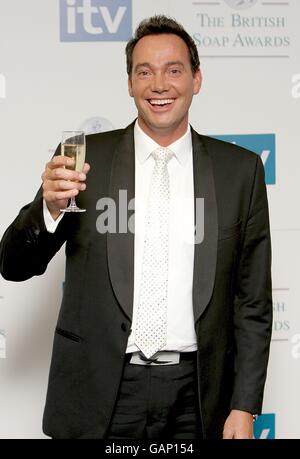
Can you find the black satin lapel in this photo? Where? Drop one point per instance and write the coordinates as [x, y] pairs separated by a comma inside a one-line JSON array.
[[205, 252], [120, 245]]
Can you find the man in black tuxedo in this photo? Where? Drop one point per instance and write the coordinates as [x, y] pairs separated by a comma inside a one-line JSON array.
[[164, 337]]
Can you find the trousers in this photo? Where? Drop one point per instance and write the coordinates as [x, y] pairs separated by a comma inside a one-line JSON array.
[[157, 402]]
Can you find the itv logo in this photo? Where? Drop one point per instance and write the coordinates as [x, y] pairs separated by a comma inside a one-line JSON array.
[[263, 145], [95, 20], [264, 427]]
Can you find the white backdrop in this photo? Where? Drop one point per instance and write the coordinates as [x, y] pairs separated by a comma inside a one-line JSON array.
[[250, 61]]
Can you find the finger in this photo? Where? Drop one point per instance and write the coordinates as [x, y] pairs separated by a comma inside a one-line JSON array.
[[51, 174], [64, 174], [58, 161], [52, 196], [228, 434], [86, 168], [67, 174], [62, 185]]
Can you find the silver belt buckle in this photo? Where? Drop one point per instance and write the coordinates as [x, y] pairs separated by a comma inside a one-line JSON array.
[[161, 358]]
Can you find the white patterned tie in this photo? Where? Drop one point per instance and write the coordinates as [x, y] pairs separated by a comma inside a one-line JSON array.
[[151, 327]]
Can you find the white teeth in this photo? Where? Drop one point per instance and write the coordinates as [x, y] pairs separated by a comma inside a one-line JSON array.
[[161, 101]]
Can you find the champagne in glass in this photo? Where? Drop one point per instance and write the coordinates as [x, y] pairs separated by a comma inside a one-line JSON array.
[[76, 152], [73, 146]]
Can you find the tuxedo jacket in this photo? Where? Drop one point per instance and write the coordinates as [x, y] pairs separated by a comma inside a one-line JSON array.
[[232, 299]]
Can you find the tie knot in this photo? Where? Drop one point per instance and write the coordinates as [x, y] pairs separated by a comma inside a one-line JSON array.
[[162, 155]]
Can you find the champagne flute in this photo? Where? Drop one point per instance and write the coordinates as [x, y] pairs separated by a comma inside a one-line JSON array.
[[73, 146]]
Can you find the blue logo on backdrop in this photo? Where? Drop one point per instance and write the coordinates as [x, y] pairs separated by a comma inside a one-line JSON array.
[[262, 144], [264, 427], [95, 20]]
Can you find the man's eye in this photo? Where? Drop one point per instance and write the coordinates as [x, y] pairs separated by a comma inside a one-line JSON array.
[[144, 73], [175, 71]]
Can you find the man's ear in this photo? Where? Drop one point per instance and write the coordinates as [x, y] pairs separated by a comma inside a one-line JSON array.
[[130, 87], [197, 81]]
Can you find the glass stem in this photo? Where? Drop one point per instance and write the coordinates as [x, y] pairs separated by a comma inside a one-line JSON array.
[[73, 202]]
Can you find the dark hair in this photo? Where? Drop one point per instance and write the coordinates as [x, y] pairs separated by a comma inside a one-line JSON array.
[[157, 25]]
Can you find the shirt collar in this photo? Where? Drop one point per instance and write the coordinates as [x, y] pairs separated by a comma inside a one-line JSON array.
[[144, 145]]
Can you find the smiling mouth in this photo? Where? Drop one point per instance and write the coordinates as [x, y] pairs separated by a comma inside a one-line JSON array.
[[160, 102]]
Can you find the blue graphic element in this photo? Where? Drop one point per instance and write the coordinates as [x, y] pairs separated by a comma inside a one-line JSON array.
[[95, 20], [264, 427], [262, 144]]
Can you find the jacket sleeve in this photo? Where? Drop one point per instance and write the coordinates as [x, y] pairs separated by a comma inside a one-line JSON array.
[[27, 247], [253, 303]]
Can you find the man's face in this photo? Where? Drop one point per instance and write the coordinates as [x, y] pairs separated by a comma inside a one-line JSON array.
[[162, 84]]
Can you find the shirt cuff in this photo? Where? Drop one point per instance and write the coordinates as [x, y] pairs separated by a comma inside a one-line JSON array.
[[50, 223]]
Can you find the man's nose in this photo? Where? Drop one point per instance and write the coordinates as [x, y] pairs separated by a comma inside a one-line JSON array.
[[159, 83]]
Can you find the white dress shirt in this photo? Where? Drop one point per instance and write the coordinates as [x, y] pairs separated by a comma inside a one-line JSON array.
[[180, 322], [180, 318]]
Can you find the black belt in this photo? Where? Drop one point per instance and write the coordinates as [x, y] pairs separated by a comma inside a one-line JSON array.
[[160, 358]]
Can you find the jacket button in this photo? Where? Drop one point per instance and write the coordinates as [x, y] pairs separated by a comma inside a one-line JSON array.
[[123, 327]]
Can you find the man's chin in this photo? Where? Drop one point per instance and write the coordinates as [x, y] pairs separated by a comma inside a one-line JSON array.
[[161, 124]]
